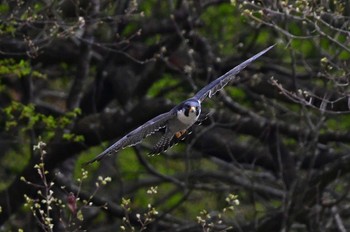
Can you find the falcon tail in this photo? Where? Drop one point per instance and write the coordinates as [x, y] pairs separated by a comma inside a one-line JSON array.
[[167, 141], [162, 145]]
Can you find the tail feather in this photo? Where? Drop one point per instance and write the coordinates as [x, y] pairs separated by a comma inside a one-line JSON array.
[[162, 145], [167, 141]]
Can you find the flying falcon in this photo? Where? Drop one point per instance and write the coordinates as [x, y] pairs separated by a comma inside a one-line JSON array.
[[179, 119]]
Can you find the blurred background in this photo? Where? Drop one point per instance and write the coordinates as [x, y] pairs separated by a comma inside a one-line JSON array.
[[273, 154]]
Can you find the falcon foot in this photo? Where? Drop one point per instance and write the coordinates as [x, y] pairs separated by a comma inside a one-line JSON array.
[[180, 133]]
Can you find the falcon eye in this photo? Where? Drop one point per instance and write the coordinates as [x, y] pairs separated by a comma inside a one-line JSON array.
[[187, 107]]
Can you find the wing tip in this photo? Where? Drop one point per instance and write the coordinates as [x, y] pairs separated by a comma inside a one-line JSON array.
[[98, 158], [266, 49]]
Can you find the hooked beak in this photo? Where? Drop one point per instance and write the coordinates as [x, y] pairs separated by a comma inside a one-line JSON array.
[[192, 109]]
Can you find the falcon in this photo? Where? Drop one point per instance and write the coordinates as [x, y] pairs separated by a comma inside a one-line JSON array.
[[179, 119]]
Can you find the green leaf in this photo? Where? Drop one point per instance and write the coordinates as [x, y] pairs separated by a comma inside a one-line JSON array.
[[4, 8], [165, 82]]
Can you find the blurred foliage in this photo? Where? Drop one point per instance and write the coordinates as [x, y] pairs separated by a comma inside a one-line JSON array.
[[168, 50], [18, 69], [24, 118]]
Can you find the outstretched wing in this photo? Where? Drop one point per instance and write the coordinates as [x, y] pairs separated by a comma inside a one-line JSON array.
[[220, 82], [136, 136]]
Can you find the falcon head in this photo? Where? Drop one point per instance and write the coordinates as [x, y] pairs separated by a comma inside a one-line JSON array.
[[189, 111]]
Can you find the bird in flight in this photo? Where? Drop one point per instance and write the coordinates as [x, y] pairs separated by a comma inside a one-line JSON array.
[[179, 119]]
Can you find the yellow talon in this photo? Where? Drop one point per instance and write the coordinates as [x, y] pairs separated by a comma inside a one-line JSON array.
[[180, 133]]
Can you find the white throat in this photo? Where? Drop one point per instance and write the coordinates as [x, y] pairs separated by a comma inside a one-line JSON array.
[[187, 120]]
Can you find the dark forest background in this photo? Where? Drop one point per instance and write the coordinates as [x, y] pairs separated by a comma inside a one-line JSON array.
[[273, 155]]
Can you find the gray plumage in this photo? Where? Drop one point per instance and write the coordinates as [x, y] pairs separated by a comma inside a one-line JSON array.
[[179, 119]]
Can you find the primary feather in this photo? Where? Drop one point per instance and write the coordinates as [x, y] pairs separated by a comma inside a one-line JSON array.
[[136, 136], [219, 83]]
